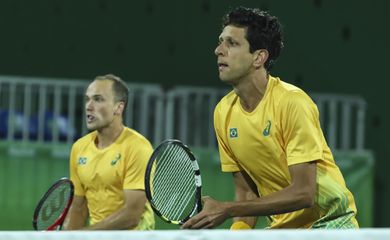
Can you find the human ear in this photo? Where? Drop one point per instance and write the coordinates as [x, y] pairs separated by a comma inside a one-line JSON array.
[[119, 108], [260, 57]]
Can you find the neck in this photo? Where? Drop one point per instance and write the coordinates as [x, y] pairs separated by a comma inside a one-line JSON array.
[[251, 89], [107, 136]]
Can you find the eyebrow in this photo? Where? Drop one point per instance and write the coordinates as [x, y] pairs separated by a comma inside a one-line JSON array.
[[95, 95], [227, 38]]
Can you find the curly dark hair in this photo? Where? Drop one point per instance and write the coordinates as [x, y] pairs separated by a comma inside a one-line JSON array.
[[263, 31]]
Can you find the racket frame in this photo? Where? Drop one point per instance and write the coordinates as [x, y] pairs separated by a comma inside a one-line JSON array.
[[57, 225], [197, 178]]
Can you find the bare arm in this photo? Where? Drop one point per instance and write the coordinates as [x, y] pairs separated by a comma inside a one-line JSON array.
[[77, 215], [245, 189], [126, 217], [298, 195]]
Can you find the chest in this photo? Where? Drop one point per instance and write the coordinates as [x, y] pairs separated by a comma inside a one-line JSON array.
[[256, 140], [97, 170]]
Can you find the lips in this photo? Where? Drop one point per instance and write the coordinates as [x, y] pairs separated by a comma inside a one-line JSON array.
[[222, 65], [90, 118]]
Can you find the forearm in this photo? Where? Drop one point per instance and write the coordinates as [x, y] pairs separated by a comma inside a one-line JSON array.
[[283, 201], [248, 196], [126, 217], [75, 219], [298, 195], [245, 190], [122, 219]]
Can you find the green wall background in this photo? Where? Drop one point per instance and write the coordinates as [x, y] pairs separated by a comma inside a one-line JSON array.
[[330, 46]]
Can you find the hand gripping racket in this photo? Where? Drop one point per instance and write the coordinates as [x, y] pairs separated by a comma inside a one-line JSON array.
[[173, 183], [51, 210]]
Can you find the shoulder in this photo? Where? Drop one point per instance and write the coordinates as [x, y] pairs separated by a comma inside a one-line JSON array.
[[133, 137], [281, 87], [289, 94], [226, 102], [85, 140]]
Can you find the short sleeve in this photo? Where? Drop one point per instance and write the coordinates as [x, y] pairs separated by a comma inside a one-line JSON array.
[[228, 164], [302, 133], [135, 167], [74, 177]]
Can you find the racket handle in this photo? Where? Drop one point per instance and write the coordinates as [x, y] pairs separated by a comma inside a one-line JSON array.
[[199, 207]]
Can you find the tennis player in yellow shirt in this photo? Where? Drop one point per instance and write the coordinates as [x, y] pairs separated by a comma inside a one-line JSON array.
[[107, 166], [270, 138]]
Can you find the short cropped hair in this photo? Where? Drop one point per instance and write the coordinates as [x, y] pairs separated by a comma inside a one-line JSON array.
[[119, 87], [263, 31]]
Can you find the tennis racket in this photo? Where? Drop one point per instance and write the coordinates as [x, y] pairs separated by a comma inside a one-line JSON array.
[[51, 210], [173, 183]]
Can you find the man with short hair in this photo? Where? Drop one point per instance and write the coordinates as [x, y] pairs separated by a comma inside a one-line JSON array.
[[107, 166]]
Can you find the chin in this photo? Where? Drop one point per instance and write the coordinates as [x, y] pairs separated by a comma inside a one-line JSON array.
[[222, 78], [226, 80], [91, 127]]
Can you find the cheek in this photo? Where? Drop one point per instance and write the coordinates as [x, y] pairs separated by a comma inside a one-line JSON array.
[[244, 61], [239, 58], [105, 112]]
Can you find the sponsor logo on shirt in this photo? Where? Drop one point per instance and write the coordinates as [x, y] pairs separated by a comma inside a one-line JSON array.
[[233, 133], [267, 129], [82, 161], [116, 159]]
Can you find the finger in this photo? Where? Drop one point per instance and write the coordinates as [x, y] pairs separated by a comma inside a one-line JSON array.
[[205, 201], [205, 197], [190, 222], [202, 223]]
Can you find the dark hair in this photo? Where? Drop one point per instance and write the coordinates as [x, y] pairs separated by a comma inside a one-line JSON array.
[[263, 31], [119, 87]]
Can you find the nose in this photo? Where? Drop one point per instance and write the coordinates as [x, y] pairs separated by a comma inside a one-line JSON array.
[[88, 105], [219, 50]]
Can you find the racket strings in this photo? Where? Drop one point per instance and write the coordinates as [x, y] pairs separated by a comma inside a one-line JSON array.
[[173, 184], [171, 179], [178, 201], [189, 188], [163, 166], [161, 180], [53, 206]]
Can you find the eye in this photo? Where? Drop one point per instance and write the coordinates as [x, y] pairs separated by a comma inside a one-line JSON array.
[[232, 42], [98, 99]]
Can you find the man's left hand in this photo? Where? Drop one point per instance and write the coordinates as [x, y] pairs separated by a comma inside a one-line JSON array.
[[213, 214]]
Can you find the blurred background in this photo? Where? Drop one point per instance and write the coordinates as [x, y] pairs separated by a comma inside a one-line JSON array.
[[334, 50]]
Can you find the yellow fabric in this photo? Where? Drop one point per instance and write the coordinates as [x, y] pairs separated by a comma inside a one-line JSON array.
[[240, 225], [282, 130], [101, 175]]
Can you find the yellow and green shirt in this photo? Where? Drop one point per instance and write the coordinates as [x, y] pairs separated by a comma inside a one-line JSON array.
[[283, 130], [101, 175]]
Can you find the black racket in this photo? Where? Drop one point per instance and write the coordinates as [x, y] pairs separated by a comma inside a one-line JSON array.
[[173, 183], [51, 210]]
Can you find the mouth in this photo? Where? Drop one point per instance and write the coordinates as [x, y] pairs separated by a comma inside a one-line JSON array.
[[90, 118], [222, 66]]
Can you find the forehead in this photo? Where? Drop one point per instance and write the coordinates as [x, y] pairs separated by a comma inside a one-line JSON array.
[[100, 87], [233, 32]]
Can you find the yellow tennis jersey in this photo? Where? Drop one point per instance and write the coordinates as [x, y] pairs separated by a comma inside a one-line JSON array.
[[101, 175], [283, 130]]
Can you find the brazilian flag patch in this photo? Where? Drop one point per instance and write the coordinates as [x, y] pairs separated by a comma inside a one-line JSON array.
[[233, 133]]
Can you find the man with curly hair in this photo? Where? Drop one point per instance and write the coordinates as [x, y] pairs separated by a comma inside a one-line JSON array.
[[270, 138]]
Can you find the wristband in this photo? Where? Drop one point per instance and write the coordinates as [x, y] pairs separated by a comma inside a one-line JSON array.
[[239, 225]]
